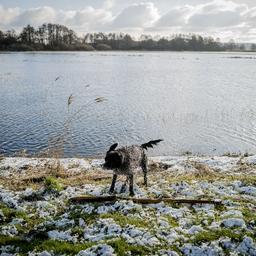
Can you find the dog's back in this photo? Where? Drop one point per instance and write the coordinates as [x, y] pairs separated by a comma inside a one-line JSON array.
[[133, 156]]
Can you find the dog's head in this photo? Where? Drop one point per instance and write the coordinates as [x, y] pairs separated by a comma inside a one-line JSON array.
[[113, 159]]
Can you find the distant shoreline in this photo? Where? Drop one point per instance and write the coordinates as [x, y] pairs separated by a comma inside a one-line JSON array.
[[56, 37], [144, 51]]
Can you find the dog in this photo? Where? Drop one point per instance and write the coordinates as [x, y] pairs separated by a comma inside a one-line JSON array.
[[124, 161]]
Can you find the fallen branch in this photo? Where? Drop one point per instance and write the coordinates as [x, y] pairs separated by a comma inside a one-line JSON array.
[[99, 178], [95, 199], [36, 179]]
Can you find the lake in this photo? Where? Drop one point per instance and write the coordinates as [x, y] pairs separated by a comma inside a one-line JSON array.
[[199, 102]]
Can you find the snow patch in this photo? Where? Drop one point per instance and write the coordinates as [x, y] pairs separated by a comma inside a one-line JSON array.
[[61, 235], [192, 250], [100, 249], [233, 223]]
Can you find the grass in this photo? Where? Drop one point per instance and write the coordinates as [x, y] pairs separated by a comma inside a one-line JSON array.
[[172, 222], [37, 177], [77, 231], [60, 247], [10, 213], [59, 142], [209, 177], [63, 247], [77, 212], [232, 154], [52, 184], [249, 214], [124, 220], [29, 221], [122, 248], [203, 172], [212, 235]]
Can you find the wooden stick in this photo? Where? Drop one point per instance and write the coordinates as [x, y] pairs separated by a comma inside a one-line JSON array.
[[93, 199]]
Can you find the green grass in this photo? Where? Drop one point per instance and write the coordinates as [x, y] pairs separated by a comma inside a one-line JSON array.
[[172, 222], [60, 247], [122, 248], [24, 246], [77, 213], [77, 231], [28, 223], [10, 213], [249, 215], [211, 235], [123, 220], [63, 247], [52, 184]]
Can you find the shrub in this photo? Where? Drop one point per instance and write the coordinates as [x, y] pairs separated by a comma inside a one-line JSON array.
[[52, 184], [103, 47]]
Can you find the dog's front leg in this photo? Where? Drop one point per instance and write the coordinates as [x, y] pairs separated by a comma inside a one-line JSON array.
[[145, 179], [123, 188], [131, 185], [111, 190], [144, 166]]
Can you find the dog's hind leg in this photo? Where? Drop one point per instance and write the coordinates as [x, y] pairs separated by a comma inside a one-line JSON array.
[[144, 167], [131, 185], [111, 190]]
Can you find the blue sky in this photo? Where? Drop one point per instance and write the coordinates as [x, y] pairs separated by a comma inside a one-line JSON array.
[[225, 19]]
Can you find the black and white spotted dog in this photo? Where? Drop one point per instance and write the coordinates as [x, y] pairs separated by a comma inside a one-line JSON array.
[[124, 161]]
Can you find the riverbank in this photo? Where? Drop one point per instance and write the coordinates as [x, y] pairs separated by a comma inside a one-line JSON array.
[[37, 217]]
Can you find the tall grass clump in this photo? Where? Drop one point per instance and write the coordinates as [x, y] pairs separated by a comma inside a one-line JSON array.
[[62, 135]]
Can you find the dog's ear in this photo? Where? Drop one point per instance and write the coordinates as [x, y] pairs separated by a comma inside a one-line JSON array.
[[113, 147]]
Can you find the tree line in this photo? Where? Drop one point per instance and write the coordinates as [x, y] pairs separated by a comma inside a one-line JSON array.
[[57, 37]]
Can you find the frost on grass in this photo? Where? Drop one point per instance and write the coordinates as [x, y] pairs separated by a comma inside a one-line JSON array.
[[36, 217], [100, 249], [234, 223]]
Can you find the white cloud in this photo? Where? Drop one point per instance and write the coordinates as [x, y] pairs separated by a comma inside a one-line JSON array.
[[108, 4], [215, 20], [137, 16], [89, 18], [8, 15], [250, 17], [223, 5], [175, 17], [83, 20], [216, 14], [35, 16]]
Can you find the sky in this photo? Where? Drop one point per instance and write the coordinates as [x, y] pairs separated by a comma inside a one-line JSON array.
[[224, 19]]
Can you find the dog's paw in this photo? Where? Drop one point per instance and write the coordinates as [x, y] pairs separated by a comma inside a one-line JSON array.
[[132, 194], [123, 188]]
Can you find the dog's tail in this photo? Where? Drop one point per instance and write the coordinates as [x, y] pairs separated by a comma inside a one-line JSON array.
[[150, 144]]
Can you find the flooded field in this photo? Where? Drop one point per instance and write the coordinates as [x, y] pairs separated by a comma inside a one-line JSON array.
[[198, 102]]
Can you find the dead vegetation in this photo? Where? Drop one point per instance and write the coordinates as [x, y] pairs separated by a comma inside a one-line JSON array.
[[1, 158], [35, 177], [202, 170]]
